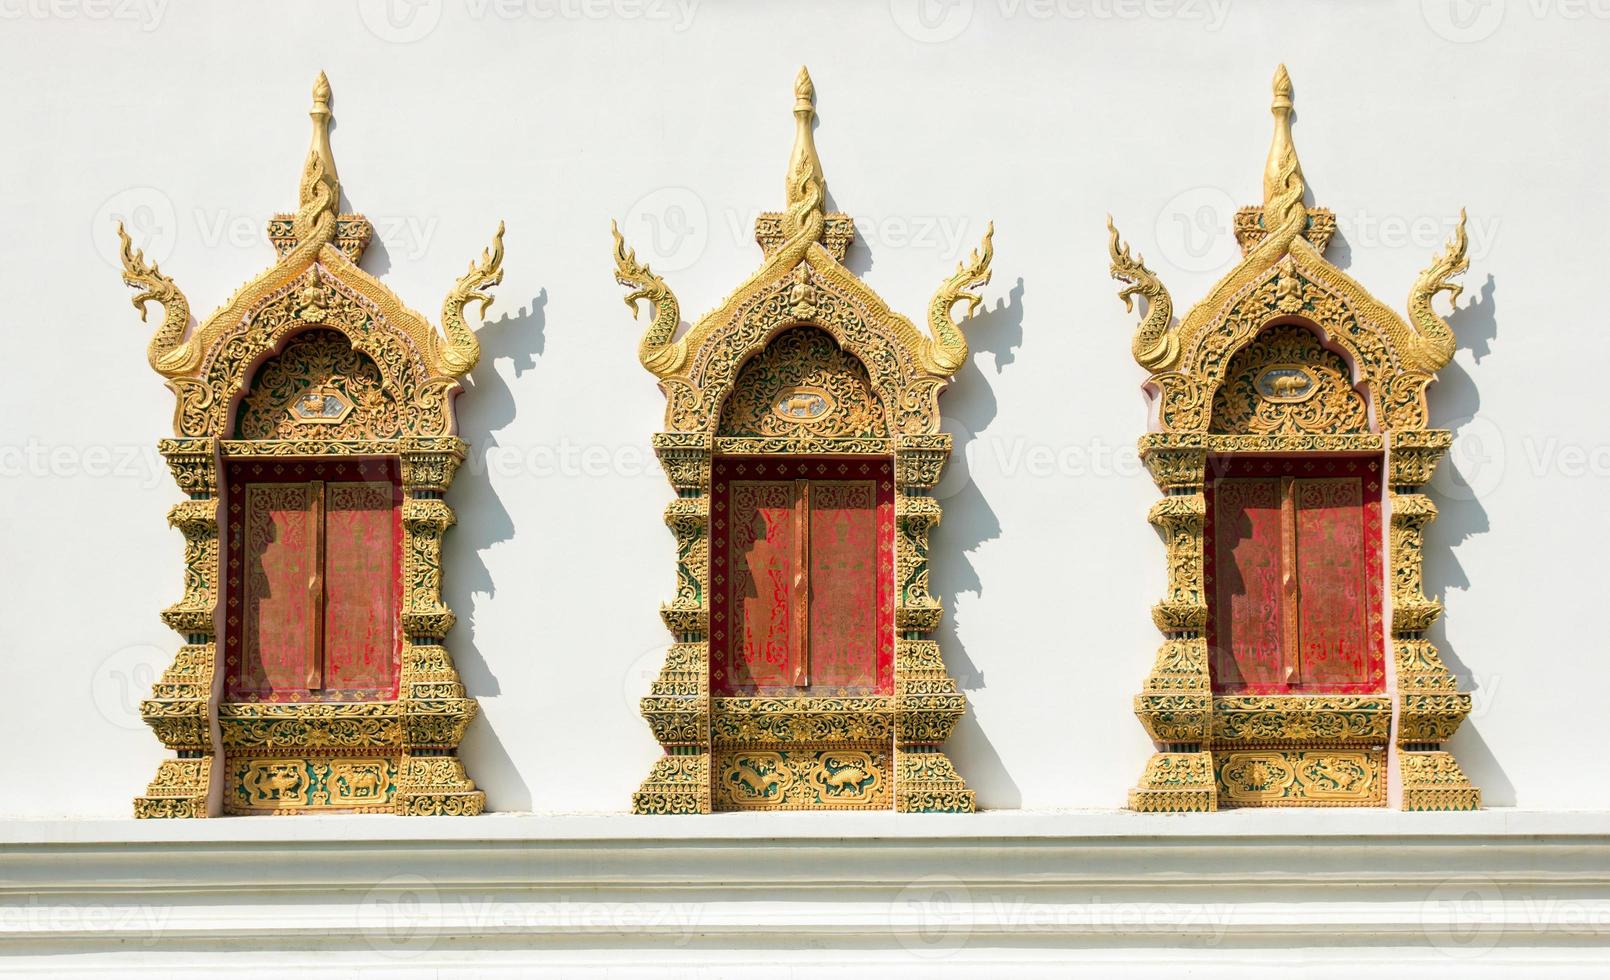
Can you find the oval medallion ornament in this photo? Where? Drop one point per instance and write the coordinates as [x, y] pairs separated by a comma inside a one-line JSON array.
[[1286, 383], [321, 405], [802, 403]]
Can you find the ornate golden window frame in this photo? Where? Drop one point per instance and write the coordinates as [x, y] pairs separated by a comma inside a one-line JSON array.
[[802, 282], [1283, 277], [412, 741]]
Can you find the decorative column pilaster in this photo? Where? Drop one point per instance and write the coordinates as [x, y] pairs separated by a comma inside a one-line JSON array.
[[182, 708], [1176, 703], [928, 703], [1430, 705], [432, 708], [678, 704]]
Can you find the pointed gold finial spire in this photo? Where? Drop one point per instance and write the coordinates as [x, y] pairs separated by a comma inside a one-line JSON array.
[[319, 195], [804, 167], [1283, 185]]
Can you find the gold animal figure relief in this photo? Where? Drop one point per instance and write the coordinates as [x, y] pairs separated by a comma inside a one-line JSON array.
[[277, 783], [757, 777]]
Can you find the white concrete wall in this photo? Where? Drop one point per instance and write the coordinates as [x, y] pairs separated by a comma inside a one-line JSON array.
[[1016, 895], [189, 120]]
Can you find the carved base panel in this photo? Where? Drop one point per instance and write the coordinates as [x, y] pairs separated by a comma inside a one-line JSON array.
[[1434, 781], [436, 786], [1176, 782], [298, 783], [1353, 776], [927, 782], [854, 776], [179, 790], [677, 784], [368, 782]]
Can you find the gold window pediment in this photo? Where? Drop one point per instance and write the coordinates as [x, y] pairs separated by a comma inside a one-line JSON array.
[[1289, 359], [803, 369], [314, 366]]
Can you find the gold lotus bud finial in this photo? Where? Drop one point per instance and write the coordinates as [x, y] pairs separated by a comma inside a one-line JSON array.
[[1283, 184], [321, 115], [804, 91], [804, 167], [1282, 90], [321, 95]]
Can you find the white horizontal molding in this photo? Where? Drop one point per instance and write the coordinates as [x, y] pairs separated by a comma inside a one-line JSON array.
[[1021, 890]]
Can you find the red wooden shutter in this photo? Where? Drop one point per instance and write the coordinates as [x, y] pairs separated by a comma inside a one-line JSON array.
[[1247, 582], [281, 594], [766, 575], [844, 631], [360, 613], [1331, 583]]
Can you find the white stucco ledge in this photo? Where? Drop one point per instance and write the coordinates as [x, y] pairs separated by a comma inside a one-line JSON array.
[[990, 825], [1017, 894]]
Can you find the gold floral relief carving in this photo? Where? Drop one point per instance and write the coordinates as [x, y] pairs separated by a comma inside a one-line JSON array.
[[1285, 383], [1288, 354], [320, 384], [803, 386], [803, 358], [314, 357]]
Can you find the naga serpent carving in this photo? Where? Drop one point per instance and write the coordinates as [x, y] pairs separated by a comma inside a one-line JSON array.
[[945, 351], [656, 350], [461, 350], [1155, 345], [1436, 336], [167, 355]]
